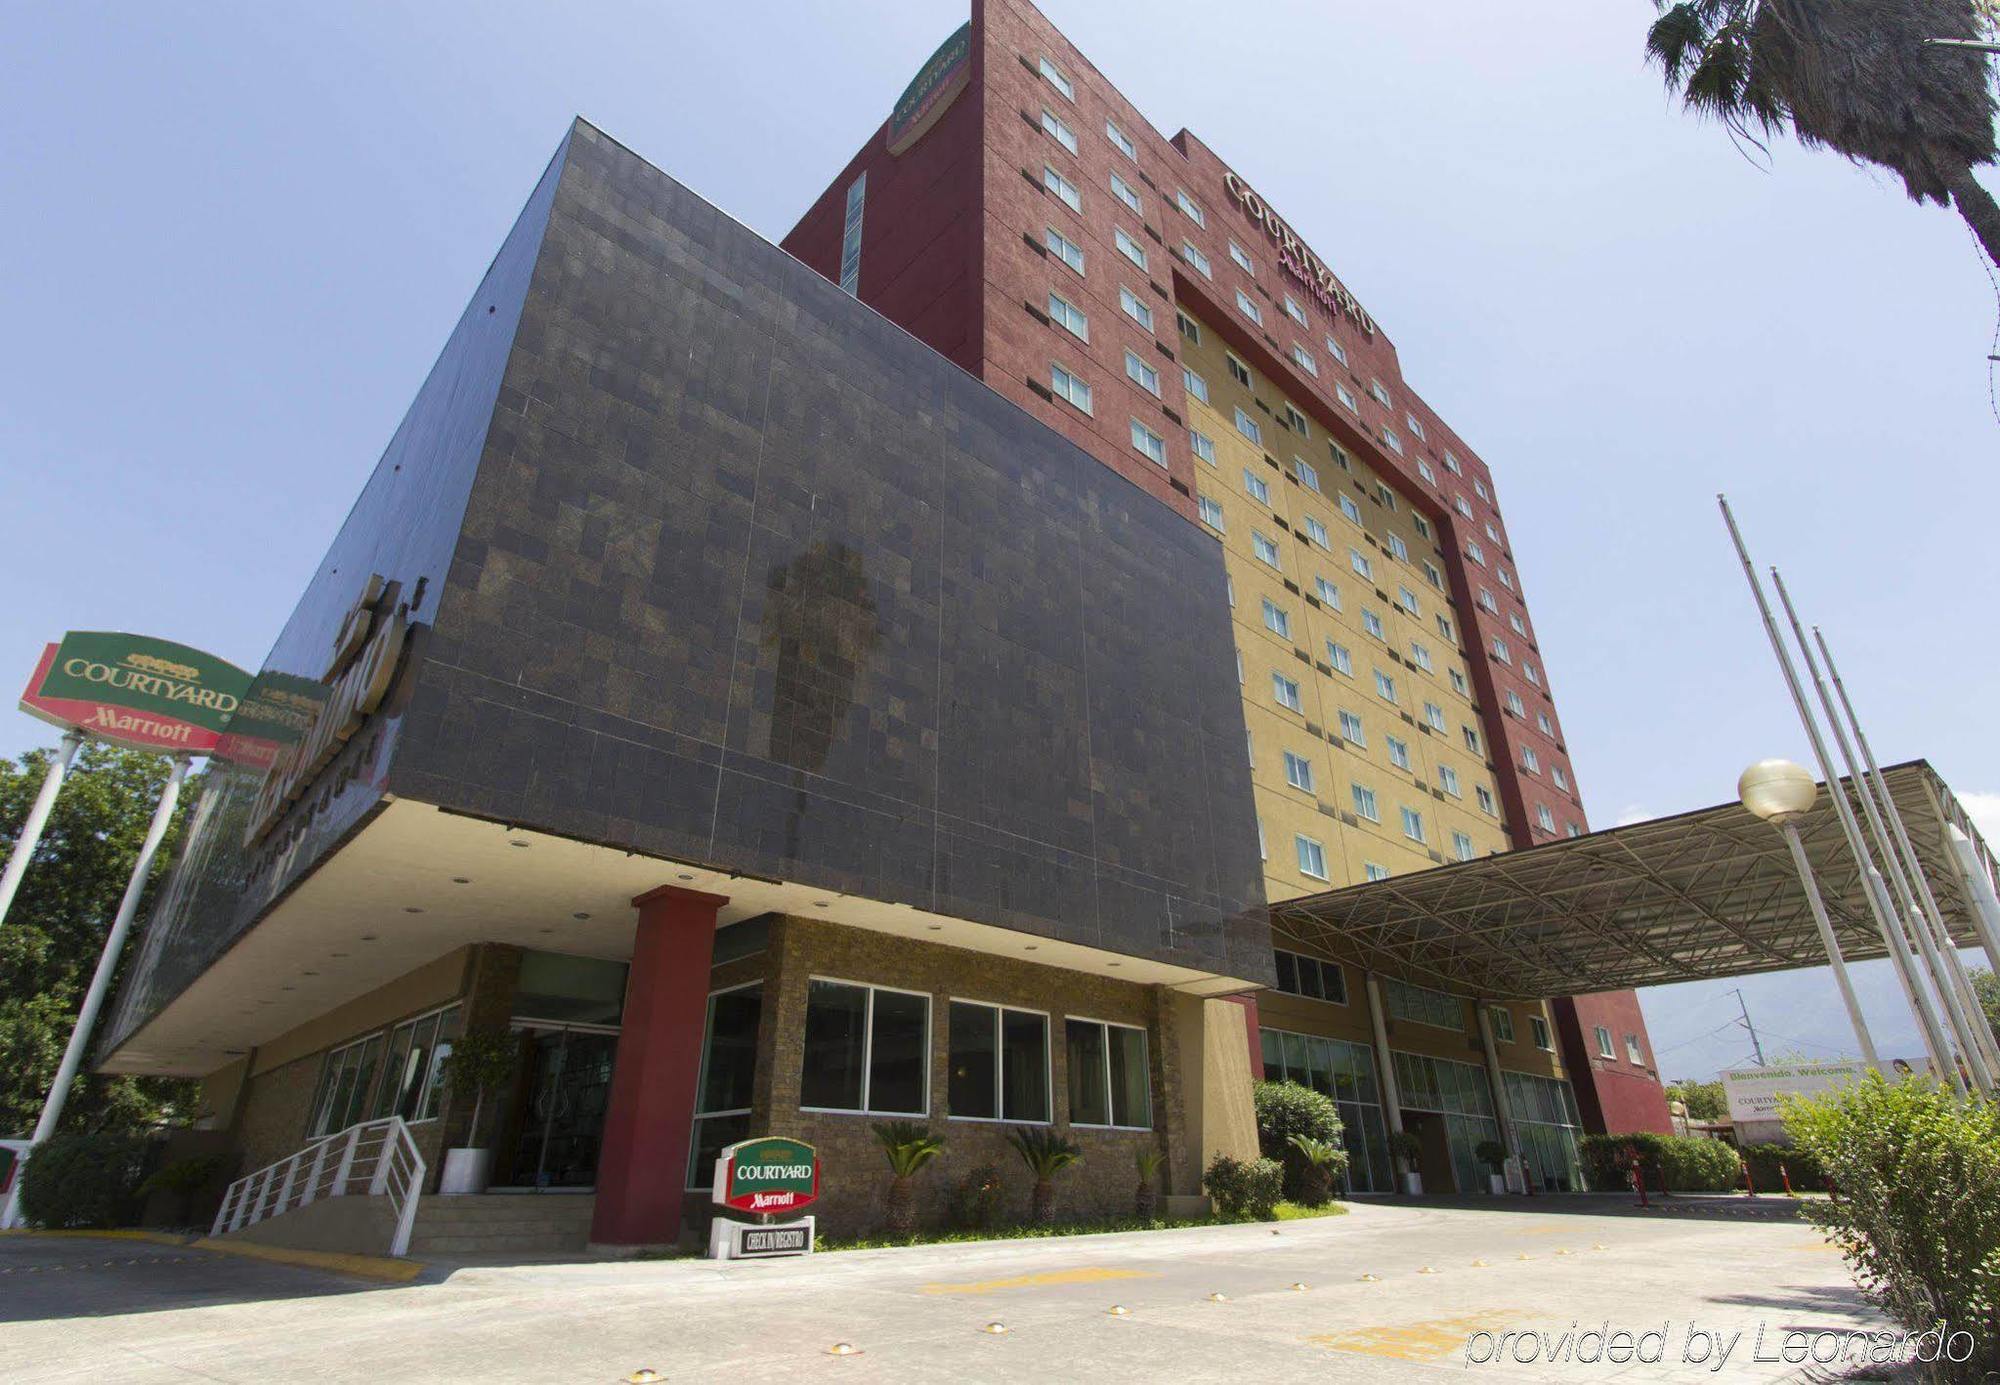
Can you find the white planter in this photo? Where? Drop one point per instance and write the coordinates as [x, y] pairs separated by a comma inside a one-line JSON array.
[[1413, 1184], [465, 1170], [1496, 1183]]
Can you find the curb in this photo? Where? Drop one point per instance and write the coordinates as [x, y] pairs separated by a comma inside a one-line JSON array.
[[381, 1268], [158, 1238]]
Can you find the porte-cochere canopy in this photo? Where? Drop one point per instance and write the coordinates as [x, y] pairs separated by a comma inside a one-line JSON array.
[[1710, 893]]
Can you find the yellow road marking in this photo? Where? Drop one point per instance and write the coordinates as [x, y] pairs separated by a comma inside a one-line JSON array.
[[380, 1267], [1089, 1274], [1431, 1339], [160, 1238]]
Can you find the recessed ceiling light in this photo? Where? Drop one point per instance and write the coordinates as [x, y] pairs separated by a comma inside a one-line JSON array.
[[1114, 964], [1032, 946], [368, 937], [460, 880], [936, 927], [687, 877], [523, 845], [821, 903], [579, 916], [411, 909]]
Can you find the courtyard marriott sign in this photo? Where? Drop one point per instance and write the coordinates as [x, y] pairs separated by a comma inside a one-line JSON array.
[[772, 1174], [1296, 259], [136, 691]]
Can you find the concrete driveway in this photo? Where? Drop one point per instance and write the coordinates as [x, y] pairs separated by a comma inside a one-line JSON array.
[[1391, 1292]]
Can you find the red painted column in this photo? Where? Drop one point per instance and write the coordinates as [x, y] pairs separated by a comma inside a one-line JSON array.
[[648, 1120]]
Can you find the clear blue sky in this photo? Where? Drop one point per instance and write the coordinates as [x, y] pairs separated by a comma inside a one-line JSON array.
[[237, 233]]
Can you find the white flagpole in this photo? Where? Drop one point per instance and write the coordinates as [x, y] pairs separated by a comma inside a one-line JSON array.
[[38, 818], [100, 982]]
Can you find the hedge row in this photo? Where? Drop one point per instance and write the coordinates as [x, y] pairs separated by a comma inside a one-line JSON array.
[[1678, 1163]]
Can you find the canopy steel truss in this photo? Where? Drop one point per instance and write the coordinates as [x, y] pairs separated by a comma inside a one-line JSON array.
[[1710, 893]]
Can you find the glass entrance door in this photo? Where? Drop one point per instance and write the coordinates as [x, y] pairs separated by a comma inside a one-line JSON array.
[[561, 1124]]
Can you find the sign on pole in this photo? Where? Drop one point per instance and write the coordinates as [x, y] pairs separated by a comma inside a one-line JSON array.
[[136, 691], [766, 1175], [1754, 1093]]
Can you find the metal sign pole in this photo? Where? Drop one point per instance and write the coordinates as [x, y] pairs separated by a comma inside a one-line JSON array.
[[38, 818], [100, 982]]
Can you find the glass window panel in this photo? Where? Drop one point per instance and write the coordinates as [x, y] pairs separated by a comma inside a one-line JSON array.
[[395, 1074], [1131, 1083], [975, 1055], [712, 1135], [729, 1057], [1309, 979], [1089, 1101], [408, 1076], [572, 990], [432, 1100], [364, 1079], [1319, 1067], [899, 1057], [836, 1035], [1025, 1052], [1273, 1044], [1288, 973]]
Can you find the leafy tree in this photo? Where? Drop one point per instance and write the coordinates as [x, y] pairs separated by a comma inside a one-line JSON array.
[[1705, 1101], [1987, 987], [51, 939], [1855, 77]]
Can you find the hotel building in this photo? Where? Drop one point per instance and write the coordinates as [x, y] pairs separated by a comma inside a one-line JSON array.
[[786, 692]]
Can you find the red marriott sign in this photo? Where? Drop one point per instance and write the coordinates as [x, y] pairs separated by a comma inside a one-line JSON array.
[[1296, 259]]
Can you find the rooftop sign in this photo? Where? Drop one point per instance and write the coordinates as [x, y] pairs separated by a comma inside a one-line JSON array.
[[1296, 259], [135, 691], [936, 85]]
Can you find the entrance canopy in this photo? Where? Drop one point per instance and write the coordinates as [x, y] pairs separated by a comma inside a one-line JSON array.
[[1705, 894]]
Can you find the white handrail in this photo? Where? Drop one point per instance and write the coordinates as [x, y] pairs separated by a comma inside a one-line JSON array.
[[377, 1158]]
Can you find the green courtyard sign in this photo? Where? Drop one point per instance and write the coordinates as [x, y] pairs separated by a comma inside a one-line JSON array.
[[772, 1174], [931, 92], [136, 691]]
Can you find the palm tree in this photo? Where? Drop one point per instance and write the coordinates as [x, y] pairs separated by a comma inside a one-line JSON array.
[[1046, 1154], [1146, 1197], [1854, 76], [908, 1146]]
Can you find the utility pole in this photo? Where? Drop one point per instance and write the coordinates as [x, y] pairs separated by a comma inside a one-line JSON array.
[[1756, 1044]]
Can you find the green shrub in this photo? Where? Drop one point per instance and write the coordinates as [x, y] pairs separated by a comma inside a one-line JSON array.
[[975, 1199], [1245, 1188], [1320, 1163], [1675, 1163], [84, 1181], [1799, 1166], [1916, 1205], [1285, 1110]]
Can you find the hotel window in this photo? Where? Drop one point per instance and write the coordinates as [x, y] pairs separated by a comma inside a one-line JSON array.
[[1310, 977], [1229, 590], [1149, 443], [1423, 526], [1262, 853], [1364, 802], [1135, 309], [850, 236], [1109, 1083], [1484, 796], [1435, 576], [1255, 486], [1398, 548], [1385, 496], [1381, 395], [1514, 703], [1424, 470], [1448, 781], [1480, 486], [1129, 248], [1345, 396], [1545, 818], [1188, 208], [1141, 374], [1538, 1029], [1296, 313], [1570, 829], [1422, 1005], [1443, 621], [1514, 619], [1308, 477], [1492, 532], [410, 1086], [1194, 257], [1556, 773], [1349, 508], [1249, 427], [1249, 309], [1068, 316], [1358, 560], [1064, 249], [1057, 80], [1501, 652], [1452, 465], [1189, 328], [1542, 720], [1434, 716], [1211, 515], [1194, 384], [1506, 578], [1604, 1043], [1530, 672], [1632, 1053], [1276, 619], [1303, 359], [1530, 761], [1475, 552], [1296, 420], [1338, 657], [1202, 445], [1058, 131], [1385, 686], [1351, 729], [1420, 655], [1068, 387], [1117, 138], [1486, 600], [867, 1048], [1238, 371], [1407, 599], [999, 1064], [1462, 505], [1328, 593], [1471, 739], [1285, 691], [1370, 871], [1336, 350], [1399, 752], [1312, 856], [1122, 190], [1265, 549], [1394, 440], [728, 1068], [1372, 623], [1413, 824], [1461, 846], [1502, 1020], [1416, 427], [1316, 532], [1242, 258], [1298, 771]]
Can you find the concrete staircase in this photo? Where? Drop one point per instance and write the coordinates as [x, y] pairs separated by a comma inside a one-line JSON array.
[[489, 1225]]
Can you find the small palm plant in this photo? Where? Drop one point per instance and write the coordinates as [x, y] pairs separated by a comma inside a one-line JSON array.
[[1146, 1198], [1320, 1163], [908, 1146], [1046, 1154]]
